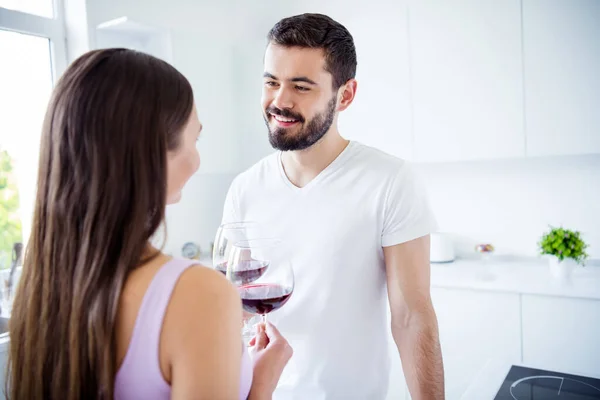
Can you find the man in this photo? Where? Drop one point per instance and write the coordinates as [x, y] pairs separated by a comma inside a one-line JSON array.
[[355, 222]]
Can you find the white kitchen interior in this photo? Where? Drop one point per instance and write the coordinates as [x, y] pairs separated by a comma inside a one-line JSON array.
[[496, 104]]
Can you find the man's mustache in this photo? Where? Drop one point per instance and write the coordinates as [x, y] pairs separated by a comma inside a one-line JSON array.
[[285, 113]]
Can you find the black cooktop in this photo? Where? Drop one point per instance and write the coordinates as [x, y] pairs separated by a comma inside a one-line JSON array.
[[523, 383]]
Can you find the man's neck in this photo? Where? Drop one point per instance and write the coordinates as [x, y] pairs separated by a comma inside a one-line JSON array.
[[303, 166]]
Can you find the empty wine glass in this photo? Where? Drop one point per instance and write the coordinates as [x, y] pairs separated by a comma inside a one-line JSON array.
[[226, 236], [262, 271]]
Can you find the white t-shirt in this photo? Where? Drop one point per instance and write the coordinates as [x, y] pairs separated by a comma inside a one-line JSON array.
[[336, 227]]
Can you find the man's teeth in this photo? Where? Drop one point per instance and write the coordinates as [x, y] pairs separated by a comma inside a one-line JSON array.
[[281, 119]]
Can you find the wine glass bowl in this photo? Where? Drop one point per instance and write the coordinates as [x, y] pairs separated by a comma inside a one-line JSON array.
[[262, 271], [228, 234]]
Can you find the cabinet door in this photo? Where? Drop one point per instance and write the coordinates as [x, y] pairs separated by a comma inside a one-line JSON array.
[[475, 327], [562, 333], [252, 138], [467, 81], [380, 113], [561, 41]]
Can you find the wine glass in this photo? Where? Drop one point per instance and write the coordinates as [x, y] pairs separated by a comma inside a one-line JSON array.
[[262, 271], [226, 236]]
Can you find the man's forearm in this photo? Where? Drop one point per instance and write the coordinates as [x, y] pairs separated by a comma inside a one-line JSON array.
[[417, 339]]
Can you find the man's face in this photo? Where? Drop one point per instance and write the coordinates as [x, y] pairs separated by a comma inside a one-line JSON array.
[[299, 104]]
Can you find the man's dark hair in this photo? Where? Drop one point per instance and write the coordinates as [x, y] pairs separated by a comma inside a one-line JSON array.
[[318, 31]]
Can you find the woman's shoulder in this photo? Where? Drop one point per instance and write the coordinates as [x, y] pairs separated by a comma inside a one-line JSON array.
[[201, 289], [211, 281], [195, 280], [201, 298]]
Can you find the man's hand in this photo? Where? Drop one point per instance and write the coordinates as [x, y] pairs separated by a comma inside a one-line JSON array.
[[414, 323]]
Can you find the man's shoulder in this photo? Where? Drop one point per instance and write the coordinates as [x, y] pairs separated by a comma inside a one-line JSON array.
[[379, 161], [262, 169]]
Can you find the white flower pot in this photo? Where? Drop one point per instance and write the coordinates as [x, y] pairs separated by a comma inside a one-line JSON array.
[[561, 270]]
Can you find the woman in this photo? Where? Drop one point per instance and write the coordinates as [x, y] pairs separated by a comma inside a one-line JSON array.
[[99, 313]]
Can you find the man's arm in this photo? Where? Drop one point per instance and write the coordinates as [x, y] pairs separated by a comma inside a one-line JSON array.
[[414, 323]]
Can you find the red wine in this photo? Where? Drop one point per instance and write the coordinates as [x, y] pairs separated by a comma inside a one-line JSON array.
[[264, 298], [246, 271]]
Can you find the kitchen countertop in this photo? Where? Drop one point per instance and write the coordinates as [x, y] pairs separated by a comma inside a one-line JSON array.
[[515, 276], [508, 274]]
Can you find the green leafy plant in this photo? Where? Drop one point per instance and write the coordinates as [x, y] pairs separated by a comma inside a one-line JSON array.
[[563, 243], [10, 223]]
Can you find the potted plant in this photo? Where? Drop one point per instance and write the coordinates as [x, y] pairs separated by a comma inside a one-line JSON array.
[[565, 250]]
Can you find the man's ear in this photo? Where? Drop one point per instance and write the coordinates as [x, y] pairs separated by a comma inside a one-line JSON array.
[[346, 94]]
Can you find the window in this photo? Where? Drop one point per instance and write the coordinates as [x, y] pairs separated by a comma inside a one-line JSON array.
[[32, 50], [43, 8]]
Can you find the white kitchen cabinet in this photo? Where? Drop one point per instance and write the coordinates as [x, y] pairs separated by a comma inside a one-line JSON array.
[[380, 114], [562, 333], [561, 41], [253, 139], [475, 327], [125, 32], [467, 81]]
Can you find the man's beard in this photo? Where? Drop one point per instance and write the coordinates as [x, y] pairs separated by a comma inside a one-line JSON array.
[[285, 140]]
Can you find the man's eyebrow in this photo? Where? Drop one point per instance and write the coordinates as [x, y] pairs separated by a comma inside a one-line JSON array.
[[295, 79], [303, 79]]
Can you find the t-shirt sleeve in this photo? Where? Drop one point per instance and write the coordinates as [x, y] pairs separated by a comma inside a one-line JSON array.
[[407, 212]]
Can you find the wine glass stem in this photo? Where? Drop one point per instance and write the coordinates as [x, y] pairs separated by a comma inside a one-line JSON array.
[[264, 318]]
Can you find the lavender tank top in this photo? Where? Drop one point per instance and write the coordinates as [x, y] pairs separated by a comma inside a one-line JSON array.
[[139, 376]]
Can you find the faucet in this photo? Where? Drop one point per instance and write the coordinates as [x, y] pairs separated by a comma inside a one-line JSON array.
[[16, 260]]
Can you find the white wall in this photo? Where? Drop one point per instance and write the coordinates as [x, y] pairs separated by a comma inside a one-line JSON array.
[[203, 36], [198, 215], [225, 72], [510, 203]]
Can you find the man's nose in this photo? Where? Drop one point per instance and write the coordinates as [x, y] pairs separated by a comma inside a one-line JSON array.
[[283, 99]]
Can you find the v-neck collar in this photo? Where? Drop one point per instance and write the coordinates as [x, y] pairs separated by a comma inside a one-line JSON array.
[[334, 165]]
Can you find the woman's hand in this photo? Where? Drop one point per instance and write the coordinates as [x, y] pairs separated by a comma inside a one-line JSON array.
[[270, 353]]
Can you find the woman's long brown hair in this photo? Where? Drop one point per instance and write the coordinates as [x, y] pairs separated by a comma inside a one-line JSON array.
[[101, 195]]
